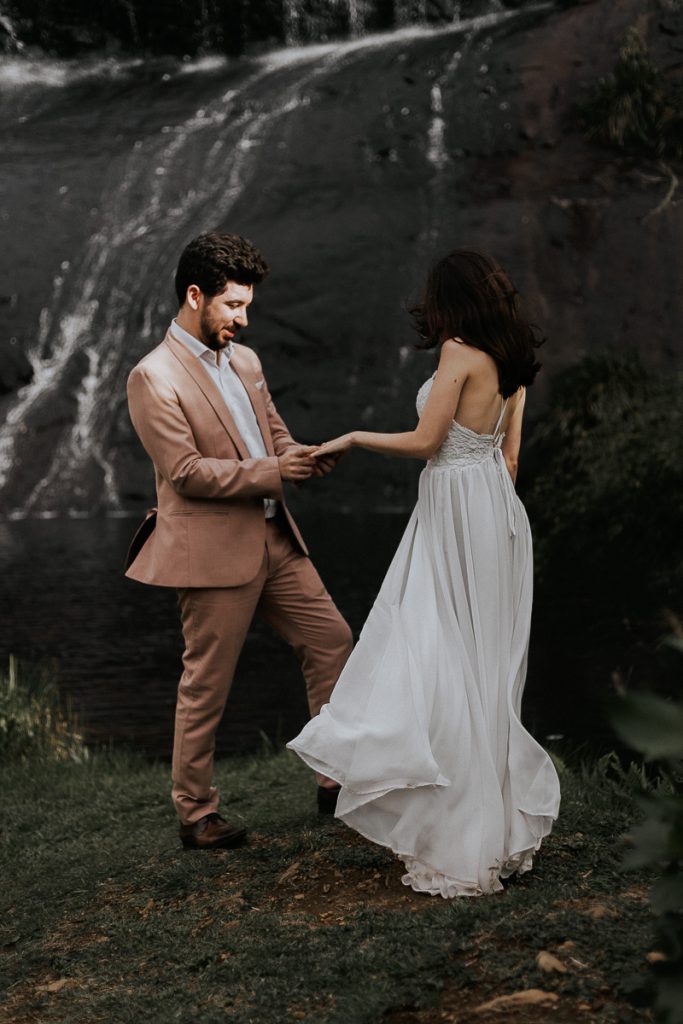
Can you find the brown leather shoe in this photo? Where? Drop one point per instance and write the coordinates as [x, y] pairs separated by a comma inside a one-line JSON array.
[[210, 833]]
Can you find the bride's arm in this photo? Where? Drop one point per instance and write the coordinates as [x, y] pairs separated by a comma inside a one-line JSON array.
[[435, 420], [513, 435]]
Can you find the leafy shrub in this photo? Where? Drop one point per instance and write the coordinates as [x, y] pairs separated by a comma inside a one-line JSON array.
[[607, 498], [655, 728], [32, 722], [636, 108], [603, 485]]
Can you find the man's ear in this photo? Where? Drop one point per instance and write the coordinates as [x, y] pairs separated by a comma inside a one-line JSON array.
[[193, 296]]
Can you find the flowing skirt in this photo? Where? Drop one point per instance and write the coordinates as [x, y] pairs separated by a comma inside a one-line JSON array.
[[423, 730]]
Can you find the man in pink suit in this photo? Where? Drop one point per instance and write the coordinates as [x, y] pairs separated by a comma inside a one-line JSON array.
[[221, 533]]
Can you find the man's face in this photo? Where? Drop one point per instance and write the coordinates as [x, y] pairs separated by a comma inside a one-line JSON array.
[[222, 316]]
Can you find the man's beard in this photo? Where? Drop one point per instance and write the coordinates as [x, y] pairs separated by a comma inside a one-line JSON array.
[[211, 336]]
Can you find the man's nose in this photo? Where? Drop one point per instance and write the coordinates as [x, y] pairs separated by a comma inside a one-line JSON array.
[[241, 317]]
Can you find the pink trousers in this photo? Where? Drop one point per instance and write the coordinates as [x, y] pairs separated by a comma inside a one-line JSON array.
[[289, 595]]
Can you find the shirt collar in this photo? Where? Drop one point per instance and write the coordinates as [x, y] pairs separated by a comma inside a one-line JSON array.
[[198, 348]]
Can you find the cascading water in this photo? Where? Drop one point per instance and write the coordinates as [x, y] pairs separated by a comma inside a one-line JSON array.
[[290, 22], [9, 39], [301, 25], [143, 217], [111, 302], [356, 23], [232, 28]]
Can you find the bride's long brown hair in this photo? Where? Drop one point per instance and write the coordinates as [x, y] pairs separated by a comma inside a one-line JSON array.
[[468, 295]]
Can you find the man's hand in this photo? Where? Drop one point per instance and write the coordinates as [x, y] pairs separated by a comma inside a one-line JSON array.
[[297, 464], [323, 465]]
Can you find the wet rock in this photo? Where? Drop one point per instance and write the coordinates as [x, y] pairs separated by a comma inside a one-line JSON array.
[[15, 368]]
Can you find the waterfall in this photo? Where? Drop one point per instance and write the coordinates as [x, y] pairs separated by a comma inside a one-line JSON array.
[[301, 25], [291, 12], [232, 28], [96, 291], [111, 301], [356, 24], [9, 39], [101, 297]]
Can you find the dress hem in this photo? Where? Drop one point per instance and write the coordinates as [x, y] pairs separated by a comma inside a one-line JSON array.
[[428, 880], [423, 877]]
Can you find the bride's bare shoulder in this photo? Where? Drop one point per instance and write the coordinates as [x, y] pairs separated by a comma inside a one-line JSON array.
[[455, 350]]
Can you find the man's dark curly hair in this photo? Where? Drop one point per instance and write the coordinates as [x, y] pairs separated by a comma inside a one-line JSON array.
[[212, 259]]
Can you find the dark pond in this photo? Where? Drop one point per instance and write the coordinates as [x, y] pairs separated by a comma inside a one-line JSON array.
[[118, 644]]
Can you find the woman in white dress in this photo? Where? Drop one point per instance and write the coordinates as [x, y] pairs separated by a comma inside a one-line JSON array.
[[423, 730]]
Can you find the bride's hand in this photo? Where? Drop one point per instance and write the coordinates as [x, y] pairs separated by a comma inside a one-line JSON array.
[[335, 447]]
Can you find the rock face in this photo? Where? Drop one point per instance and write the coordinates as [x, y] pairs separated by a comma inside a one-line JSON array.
[[351, 166]]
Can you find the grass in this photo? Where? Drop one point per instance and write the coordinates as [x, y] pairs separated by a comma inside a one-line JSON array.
[[105, 918], [637, 108], [33, 722]]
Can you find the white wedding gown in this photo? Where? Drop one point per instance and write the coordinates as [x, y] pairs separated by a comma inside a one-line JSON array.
[[423, 730]]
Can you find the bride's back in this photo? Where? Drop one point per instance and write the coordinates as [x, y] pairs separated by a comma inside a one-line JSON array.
[[480, 399], [470, 299]]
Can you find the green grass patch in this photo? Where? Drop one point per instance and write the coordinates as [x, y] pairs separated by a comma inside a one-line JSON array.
[[33, 720], [637, 108], [105, 918]]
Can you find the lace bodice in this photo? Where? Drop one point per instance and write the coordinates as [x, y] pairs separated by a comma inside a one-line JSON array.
[[462, 446]]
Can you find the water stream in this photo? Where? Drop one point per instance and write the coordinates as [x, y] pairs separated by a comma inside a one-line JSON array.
[[170, 177]]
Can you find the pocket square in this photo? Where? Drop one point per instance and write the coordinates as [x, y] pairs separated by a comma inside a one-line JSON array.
[[259, 383]]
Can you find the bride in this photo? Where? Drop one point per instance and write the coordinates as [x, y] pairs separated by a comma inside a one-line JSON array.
[[423, 729]]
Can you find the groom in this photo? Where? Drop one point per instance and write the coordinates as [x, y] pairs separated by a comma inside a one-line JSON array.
[[222, 534]]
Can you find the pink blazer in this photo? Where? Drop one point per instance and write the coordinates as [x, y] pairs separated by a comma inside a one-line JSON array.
[[209, 528]]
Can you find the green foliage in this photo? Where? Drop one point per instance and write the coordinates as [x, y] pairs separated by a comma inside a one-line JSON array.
[[651, 725], [604, 493], [655, 728], [32, 723], [636, 108], [606, 501]]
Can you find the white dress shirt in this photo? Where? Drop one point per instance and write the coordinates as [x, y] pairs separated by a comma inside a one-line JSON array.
[[234, 395]]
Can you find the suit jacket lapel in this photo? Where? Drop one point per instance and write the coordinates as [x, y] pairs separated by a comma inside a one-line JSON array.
[[209, 390], [256, 399]]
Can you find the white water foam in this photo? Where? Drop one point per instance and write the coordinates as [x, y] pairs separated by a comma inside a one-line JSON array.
[[18, 72], [288, 56], [437, 154]]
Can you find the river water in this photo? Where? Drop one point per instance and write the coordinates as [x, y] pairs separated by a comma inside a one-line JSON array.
[[117, 644]]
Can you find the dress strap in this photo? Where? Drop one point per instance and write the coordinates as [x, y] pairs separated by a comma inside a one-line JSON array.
[[503, 407]]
